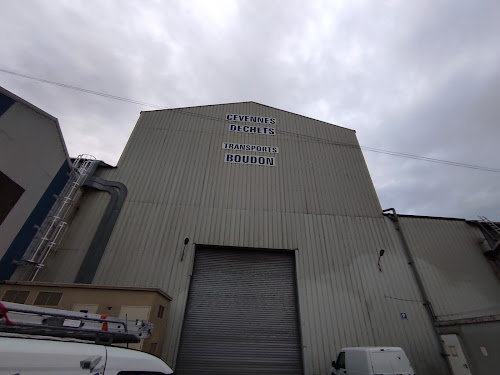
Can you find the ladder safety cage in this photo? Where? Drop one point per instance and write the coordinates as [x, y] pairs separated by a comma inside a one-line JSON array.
[[493, 233], [33, 320], [53, 228], [491, 224]]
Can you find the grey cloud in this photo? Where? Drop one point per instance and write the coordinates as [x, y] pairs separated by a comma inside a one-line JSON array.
[[410, 77]]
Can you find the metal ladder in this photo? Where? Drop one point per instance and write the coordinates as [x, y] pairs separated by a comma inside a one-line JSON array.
[[53, 228], [29, 320], [496, 229], [492, 225]]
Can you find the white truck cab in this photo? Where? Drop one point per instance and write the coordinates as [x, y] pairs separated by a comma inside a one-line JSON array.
[[42, 341], [47, 356], [372, 361]]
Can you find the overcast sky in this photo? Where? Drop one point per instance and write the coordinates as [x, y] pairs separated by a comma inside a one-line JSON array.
[[419, 77]]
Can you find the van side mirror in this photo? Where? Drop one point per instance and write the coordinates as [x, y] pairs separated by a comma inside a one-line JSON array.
[[333, 363]]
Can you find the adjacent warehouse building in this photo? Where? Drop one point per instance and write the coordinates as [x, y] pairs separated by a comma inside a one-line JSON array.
[[34, 166], [265, 229], [460, 276]]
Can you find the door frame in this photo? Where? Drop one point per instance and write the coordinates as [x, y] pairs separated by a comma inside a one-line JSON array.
[[300, 322], [459, 340]]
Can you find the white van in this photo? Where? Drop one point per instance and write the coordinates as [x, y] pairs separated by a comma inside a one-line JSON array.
[[372, 361], [46, 356], [42, 341]]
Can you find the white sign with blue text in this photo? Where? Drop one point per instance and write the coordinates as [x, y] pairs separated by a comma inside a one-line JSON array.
[[268, 161], [251, 129], [245, 147], [254, 119]]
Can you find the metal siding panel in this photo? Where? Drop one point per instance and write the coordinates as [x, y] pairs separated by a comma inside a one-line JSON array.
[[325, 293], [156, 239], [306, 313], [64, 263], [26, 136], [332, 241], [314, 318], [456, 275], [353, 283], [145, 254], [362, 250], [335, 332], [343, 318], [21, 242]]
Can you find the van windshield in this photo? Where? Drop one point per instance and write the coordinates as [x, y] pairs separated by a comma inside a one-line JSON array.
[[390, 362]]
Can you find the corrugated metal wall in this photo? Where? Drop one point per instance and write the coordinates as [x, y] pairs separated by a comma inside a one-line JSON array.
[[476, 338], [319, 199], [31, 154], [449, 256]]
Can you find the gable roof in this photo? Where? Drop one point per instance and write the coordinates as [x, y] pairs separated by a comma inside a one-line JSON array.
[[42, 113], [264, 105]]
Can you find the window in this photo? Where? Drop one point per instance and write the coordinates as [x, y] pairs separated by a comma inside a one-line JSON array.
[[10, 193], [161, 310], [341, 360], [48, 298], [16, 296]]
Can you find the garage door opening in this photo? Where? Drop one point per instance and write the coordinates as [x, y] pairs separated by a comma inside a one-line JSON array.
[[241, 314]]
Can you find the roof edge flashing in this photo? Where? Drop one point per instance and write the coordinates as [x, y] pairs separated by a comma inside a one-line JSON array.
[[253, 102], [42, 113]]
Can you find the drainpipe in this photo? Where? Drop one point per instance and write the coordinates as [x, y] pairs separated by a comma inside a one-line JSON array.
[[423, 293]]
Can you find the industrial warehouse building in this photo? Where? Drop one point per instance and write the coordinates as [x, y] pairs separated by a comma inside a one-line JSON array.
[[34, 163], [263, 230]]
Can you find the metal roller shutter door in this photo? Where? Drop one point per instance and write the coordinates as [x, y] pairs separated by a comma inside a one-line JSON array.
[[241, 315]]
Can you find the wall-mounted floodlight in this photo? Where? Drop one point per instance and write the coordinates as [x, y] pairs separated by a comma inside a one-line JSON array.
[[186, 241], [382, 251]]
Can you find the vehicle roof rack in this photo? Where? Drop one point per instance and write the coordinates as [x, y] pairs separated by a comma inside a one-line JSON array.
[[33, 320]]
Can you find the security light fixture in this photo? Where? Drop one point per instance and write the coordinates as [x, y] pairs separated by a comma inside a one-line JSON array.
[[382, 251], [186, 241]]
